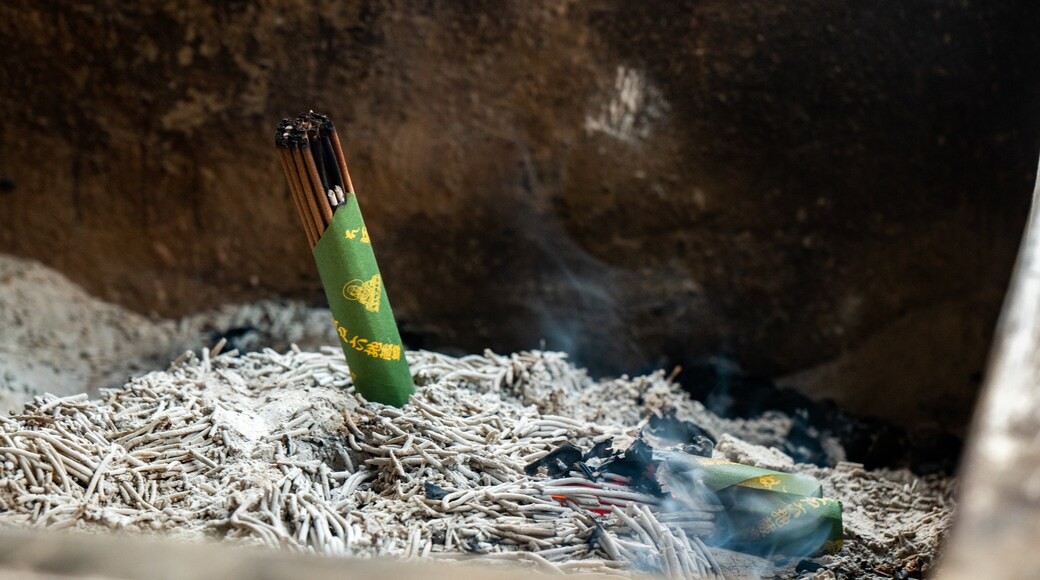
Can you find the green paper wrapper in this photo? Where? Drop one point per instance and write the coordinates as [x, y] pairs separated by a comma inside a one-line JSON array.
[[361, 310], [774, 512]]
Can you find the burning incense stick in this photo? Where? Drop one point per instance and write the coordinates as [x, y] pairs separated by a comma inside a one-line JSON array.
[[316, 169]]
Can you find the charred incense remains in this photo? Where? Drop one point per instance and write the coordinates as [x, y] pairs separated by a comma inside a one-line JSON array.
[[517, 458], [314, 164]]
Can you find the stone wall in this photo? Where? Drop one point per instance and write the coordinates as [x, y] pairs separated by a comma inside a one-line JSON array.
[[822, 190]]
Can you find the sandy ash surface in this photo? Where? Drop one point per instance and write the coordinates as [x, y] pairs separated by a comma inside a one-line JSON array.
[[274, 448], [56, 338]]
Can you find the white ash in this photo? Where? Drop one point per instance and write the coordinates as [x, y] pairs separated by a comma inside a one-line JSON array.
[[740, 451], [276, 449], [58, 339]]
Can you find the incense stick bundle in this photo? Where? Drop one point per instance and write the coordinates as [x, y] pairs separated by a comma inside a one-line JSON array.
[[316, 169]]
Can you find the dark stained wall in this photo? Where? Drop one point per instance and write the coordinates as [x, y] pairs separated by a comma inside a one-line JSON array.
[[827, 191]]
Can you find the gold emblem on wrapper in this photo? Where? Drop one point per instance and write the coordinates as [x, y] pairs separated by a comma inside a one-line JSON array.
[[367, 293]]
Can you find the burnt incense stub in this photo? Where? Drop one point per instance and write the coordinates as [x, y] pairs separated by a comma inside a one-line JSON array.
[[316, 170]]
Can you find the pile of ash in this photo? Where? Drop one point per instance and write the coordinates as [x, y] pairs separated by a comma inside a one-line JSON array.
[[59, 339], [275, 448]]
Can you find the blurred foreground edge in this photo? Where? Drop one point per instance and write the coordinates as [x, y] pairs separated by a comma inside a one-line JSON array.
[[38, 555], [997, 530]]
